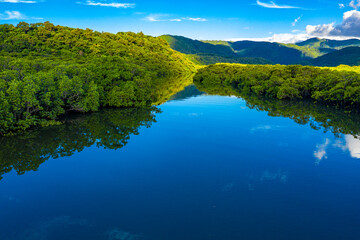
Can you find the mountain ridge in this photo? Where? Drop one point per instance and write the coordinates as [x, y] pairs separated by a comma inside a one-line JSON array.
[[313, 51]]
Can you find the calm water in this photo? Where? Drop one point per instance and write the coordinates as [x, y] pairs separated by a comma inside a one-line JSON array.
[[203, 168]]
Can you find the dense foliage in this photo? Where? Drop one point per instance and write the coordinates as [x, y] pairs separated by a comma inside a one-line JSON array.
[[108, 128], [318, 116], [47, 70], [338, 86], [306, 51]]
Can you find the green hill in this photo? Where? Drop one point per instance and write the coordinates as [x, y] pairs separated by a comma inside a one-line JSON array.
[[189, 46], [325, 46], [274, 52], [346, 56], [246, 52], [250, 52], [47, 71], [327, 43], [210, 53], [310, 42]]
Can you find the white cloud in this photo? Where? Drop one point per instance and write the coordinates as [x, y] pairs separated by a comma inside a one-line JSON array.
[[355, 4], [289, 38], [320, 30], [281, 38], [341, 6], [17, 1], [350, 27], [112, 4], [154, 18], [195, 19], [12, 15], [274, 5], [296, 21], [164, 18]]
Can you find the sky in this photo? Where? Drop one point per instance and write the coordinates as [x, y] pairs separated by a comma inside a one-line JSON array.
[[278, 20]]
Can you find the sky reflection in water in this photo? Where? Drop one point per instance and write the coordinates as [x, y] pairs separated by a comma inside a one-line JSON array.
[[208, 168]]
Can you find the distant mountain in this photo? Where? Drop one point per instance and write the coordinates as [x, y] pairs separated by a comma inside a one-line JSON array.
[[314, 51], [347, 56], [209, 53], [309, 42], [275, 52], [327, 43], [325, 46], [189, 46]]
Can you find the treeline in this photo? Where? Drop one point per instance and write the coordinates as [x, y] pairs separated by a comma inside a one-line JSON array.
[[337, 86], [48, 70], [319, 116]]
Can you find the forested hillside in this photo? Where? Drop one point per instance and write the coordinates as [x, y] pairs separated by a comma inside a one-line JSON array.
[[315, 51], [210, 53], [323, 44], [275, 52], [348, 56], [189, 46], [48, 70]]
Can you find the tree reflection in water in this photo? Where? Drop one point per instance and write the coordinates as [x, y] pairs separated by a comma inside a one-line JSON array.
[[319, 116], [112, 128], [108, 129]]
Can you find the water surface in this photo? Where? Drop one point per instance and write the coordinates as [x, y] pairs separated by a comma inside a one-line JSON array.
[[198, 167]]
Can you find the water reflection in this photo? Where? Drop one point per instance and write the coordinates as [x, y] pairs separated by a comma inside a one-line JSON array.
[[320, 152], [343, 123], [224, 174], [112, 128], [109, 129], [350, 144], [188, 92]]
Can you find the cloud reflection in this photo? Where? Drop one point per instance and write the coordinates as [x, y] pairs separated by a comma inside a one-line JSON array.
[[320, 152], [352, 144], [264, 128]]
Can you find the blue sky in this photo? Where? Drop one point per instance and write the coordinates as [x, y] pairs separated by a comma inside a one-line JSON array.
[[232, 19]]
